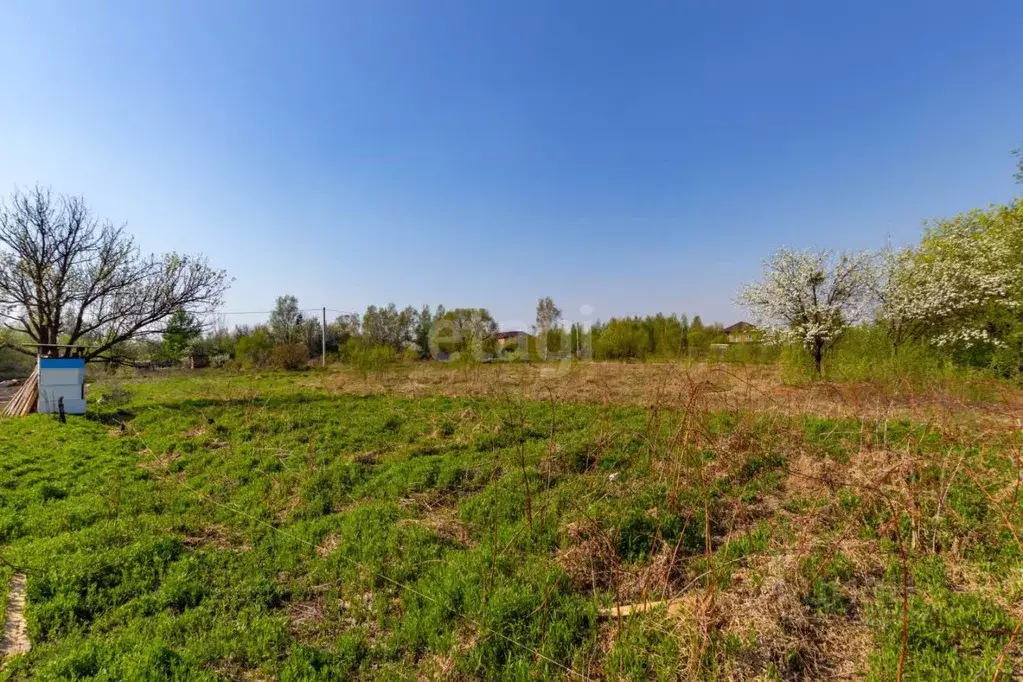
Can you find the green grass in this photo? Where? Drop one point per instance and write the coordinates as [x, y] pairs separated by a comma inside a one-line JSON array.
[[224, 526]]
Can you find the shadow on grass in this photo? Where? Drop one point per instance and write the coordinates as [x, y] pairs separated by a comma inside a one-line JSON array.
[[112, 418], [275, 402]]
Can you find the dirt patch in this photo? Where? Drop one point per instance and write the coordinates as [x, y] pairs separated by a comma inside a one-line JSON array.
[[303, 613], [329, 544], [442, 520], [15, 628], [776, 628], [216, 537]]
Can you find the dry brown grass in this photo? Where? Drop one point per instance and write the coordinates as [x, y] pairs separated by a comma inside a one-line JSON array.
[[721, 386], [760, 598], [438, 517], [763, 604], [216, 536]]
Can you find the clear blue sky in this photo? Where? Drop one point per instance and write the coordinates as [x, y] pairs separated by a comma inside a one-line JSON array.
[[637, 157]]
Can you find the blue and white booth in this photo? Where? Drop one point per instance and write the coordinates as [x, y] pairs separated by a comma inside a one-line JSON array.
[[62, 381]]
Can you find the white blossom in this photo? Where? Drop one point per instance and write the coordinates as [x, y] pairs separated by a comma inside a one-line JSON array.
[[811, 297], [945, 289]]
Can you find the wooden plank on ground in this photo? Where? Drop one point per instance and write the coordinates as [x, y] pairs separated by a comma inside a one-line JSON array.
[[674, 607]]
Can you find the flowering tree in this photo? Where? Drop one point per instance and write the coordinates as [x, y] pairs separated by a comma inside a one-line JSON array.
[[811, 297], [962, 286]]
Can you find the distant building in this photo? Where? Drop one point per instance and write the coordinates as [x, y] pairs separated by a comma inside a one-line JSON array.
[[512, 340], [742, 332]]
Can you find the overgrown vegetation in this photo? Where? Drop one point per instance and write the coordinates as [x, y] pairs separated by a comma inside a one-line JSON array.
[[242, 527], [958, 295]]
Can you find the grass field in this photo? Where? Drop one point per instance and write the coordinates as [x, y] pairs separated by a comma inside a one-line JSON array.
[[490, 523]]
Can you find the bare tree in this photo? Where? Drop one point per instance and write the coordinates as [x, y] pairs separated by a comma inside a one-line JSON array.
[[547, 316], [66, 278]]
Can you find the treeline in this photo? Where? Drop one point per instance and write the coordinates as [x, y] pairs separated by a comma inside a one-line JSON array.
[[290, 337], [657, 336], [381, 334], [632, 338]]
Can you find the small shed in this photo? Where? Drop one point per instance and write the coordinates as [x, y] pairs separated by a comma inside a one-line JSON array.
[[61, 383]]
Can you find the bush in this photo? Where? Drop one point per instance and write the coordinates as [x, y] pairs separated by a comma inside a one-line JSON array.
[[365, 357], [253, 350], [753, 353], [865, 353], [290, 356]]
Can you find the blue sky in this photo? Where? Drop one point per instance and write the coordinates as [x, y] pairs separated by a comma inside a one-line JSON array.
[[633, 157]]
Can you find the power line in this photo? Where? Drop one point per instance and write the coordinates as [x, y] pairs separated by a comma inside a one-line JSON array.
[[267, 312]]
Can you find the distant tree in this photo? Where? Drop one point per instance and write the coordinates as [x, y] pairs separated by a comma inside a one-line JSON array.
[[697, 337], [621, 339], [182, 330], [464, 330], [66, 278], [219, 341], [421, 331], [576, 337], [547, 317], [1018, 153], [286, 321], [389, 326], [555, 340], [346, 326], [811, 297], [254, 347], [241, 330], [666, 332], [312, 337]]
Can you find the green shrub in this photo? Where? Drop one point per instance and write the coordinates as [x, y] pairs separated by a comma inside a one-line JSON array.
[[365, 357], [290, 356], [253, 350], [753, 353], [866, 353]]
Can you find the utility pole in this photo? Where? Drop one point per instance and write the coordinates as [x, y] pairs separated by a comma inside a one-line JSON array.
[[323, 339]]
